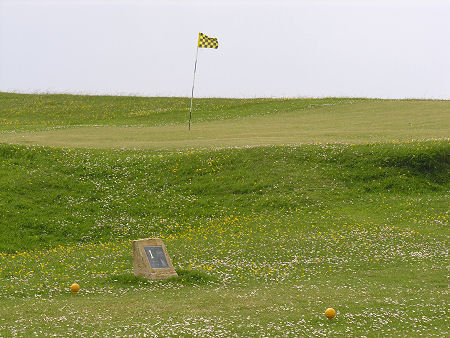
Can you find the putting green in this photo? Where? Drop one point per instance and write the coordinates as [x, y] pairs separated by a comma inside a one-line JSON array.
[[360, 122]]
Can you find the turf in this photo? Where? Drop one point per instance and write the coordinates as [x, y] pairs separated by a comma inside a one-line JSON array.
[[34, 111], [238, 123], [264, 238]]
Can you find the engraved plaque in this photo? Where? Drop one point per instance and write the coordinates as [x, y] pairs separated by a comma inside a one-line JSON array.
[[156, 257]]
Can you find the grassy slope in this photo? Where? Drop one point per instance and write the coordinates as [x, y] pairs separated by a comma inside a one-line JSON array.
[[31, 111], [49, 197], [264, 238]]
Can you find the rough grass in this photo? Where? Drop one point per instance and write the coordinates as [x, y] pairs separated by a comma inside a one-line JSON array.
[[265, 239], [52, 196]]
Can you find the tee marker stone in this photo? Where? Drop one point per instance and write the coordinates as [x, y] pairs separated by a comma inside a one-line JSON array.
[[151, 260]]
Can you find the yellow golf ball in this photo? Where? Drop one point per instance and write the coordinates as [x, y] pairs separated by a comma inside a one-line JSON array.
[[74, 288], [330, 313]]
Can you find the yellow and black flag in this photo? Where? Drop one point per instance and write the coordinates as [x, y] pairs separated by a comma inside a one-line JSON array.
[[205, 41]]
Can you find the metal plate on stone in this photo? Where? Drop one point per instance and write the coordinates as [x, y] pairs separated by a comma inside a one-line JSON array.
[[156, 257]]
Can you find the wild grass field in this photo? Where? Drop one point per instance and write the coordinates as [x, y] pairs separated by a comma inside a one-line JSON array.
[[266, 231]]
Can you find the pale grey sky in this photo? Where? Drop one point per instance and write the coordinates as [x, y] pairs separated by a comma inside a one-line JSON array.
[[386, 49]]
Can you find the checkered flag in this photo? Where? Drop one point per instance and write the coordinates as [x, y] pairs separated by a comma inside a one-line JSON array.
[[205, 41]]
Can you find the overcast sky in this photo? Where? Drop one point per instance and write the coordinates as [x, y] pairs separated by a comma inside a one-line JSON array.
[[366, 48]]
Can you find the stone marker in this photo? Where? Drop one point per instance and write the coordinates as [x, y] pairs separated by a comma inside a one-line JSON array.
[[151, 260]]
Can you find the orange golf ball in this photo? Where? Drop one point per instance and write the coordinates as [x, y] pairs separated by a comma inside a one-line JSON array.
[[74, 288], [330, 313]]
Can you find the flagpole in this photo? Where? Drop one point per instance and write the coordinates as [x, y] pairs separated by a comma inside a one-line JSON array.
[[192, 92]]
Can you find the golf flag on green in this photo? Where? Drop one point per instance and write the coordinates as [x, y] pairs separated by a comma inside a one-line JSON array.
[[205, 41]]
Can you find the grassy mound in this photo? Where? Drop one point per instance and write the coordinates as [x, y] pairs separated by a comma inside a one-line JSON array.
[[50, 196]]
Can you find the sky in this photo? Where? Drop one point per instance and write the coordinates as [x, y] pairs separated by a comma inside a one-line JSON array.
[[366, 48]]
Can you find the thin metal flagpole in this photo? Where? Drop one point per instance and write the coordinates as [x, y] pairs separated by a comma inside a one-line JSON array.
[[192, 92]]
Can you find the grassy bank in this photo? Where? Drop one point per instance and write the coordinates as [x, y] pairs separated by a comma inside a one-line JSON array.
[[51, 196]]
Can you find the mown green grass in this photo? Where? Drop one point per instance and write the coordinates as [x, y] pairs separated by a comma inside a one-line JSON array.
[[239, 123], [264, 238]]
